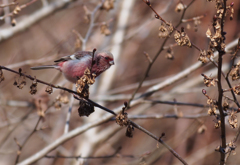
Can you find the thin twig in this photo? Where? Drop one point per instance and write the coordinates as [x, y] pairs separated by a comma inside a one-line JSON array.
[[92, 157], [163, 116], [175, 103], [234, 97], [159, 140], [183, 73], [68, 135], [66, 128], [159, 51], [20, 7], [227, 76], [14, 128], [93, 103], [9, 4], [31, 62], [7, 32], [91, 25], [234, 141], [21, 146], [220, 92], [93, 54]]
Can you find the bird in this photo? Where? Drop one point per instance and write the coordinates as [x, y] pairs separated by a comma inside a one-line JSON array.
[[73, 66]]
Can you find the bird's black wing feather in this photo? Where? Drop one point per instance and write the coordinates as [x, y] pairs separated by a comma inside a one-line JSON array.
[[77, 55]]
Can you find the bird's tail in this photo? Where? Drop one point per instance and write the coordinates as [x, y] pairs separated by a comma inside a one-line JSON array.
[[44, 67]]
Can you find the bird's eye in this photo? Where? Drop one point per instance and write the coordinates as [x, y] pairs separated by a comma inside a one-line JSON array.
[[107, 58]]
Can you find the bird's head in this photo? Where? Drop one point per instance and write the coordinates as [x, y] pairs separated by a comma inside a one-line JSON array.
[[104, 58]]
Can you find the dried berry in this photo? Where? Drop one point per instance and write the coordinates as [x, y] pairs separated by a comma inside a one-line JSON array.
[[169, 54], [179, 7], [208, 33], [202, 129], [208, 81], [85, 108], [16, 10], [163, 31], [182, 39], [33, 87], [225, 105], [212, 111], [22, 82], [129, 131], [203, 57], [1, 76], [108, 5], [122, 119], [40, 110], [204, 91], [148, 3], [49, 89], [13, 22], [217, 124], [57, 105], [83, 83], [105, 29], [232, 119], [236, 90], [235, 73]]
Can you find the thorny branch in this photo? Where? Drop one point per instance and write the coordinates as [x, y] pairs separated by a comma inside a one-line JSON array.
[[220, 89], [55, 86], [93, 103], [221, 6], [151, 62], [104, 119]]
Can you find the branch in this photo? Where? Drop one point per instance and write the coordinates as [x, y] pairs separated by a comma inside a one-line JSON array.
[[17, 9], [159, 140], [161, 47], [162, 116], [6, 33], [91, 157], [183, 73], [91, 25], [21, 146], [220, 89], [77, 131]]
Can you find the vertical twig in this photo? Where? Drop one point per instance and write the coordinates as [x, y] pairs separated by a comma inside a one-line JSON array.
[[227, 76], [234, 141], [6, 12], [66, 128], [93, 53], [91, 25], [220, 91], [222, 116], [21, 146], [159, 51], [161, 141]]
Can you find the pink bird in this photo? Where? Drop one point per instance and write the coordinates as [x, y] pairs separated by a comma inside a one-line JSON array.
[[73, 66]]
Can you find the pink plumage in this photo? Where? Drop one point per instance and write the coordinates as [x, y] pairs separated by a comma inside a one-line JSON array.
[[73, 66]]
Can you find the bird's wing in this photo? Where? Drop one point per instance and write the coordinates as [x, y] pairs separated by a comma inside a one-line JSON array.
[[75, 56]]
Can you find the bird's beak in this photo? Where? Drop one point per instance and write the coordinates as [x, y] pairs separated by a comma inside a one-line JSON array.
[[111, 62]]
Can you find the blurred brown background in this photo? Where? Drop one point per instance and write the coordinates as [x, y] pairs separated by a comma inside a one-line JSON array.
[[51, 36]]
